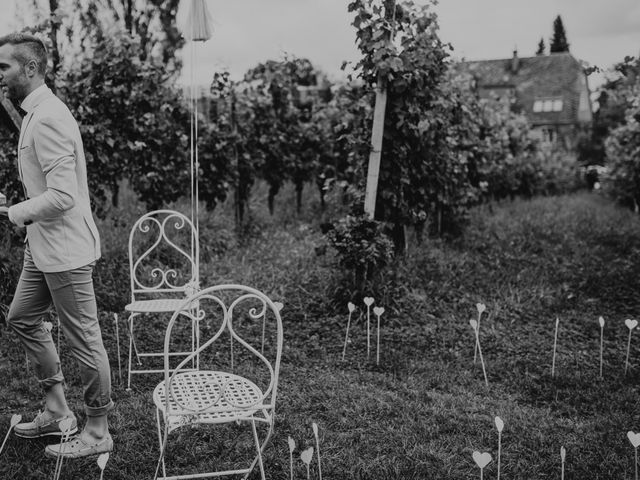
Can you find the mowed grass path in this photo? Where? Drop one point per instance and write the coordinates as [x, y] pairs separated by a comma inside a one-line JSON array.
[[422, 412]]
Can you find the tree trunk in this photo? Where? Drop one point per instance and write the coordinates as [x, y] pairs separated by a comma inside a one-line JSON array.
[[273, 191], [399, 237], [299, 189], [53, 36]]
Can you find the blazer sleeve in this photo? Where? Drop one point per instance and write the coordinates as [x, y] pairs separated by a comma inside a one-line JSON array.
[[55, 151]]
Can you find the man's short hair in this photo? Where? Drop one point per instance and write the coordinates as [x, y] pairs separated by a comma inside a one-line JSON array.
[[29, 48]]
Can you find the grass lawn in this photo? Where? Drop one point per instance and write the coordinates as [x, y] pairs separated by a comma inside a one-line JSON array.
[[422, 412]]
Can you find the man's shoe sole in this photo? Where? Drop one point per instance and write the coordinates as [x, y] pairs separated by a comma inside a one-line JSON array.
[[71, 432]]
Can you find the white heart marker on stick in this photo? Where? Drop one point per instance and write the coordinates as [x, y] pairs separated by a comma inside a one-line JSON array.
[[15, 419], [351, 307], [368, 301], [634, 438], [631, 324], [601, 322], [499, 424], [292, 447], [481, 307], [378, 311], [314, 426], [102, 463], [482, 459], [279, 306], [102, 460], [500, 427], [474, 325], [307, 456]]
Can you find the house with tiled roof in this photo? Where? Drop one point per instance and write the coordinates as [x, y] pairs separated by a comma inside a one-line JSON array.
[[550, 90]]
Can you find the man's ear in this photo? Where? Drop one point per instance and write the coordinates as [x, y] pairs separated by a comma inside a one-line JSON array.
[[31, 68]]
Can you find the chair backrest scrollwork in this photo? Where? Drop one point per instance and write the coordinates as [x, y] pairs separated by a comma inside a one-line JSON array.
[[163, 254]]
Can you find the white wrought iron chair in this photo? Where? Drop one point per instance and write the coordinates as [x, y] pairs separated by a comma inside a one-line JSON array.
[[163, 264], [236, 382]]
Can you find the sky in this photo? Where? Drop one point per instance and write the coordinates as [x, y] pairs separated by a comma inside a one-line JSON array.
[[246, 32]]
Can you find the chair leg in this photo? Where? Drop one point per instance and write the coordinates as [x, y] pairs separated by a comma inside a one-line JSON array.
[[259, 447], [162, 441]]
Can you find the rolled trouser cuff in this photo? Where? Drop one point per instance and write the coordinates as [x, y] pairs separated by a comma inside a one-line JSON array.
[[48, 383], [98, 411]]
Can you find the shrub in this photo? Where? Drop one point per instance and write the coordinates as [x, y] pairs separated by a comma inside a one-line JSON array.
[[363, 250]]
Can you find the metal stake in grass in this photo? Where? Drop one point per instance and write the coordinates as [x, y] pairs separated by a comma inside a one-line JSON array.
[[351, 307], [555, 346], [15, 419], [378, 311], [631, 324], [65, 428], [307, 456], [102, 463], [500, 427], [481, 307], [474, 325], [368, 301], [634, 438], [292, 447], [481, 459], [601, 322], [115, 321], [563, 455], [314, 426]]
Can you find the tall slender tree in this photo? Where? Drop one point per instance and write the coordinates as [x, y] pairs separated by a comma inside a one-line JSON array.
[[559, 39], [541, 47]]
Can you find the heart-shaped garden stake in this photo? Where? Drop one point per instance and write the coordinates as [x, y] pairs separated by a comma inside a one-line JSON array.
[[15, 419], [482, 460], [474, 325], [351, 307], [634, 438], [279, 306], [65, 427], [307, 456], [314, 427], [378, 311], [292, 447], [500, 427], [102, 463], [601, 322], [631, 324], [368, 301], [481, 307]]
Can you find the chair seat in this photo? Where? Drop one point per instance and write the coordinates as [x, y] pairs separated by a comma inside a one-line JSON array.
[[159, 305], [205, 396]]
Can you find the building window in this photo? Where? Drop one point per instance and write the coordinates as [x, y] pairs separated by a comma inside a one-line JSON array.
[[557, 105], [549, 135], [547, 105]]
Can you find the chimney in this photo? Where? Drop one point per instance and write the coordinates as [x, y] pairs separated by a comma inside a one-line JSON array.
[[515, 62]]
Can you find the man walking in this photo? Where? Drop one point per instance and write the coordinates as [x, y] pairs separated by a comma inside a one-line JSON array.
[[61, 248]]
